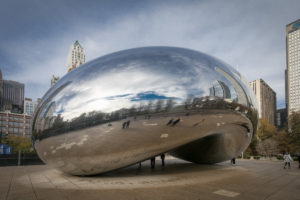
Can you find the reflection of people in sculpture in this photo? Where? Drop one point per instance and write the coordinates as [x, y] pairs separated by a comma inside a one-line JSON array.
[[127, 124], [124, 125], [176, 122], [170, 122], [149, 116], [162, 156]]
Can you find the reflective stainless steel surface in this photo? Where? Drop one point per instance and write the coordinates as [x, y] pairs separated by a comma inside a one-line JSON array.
[[131, 105]]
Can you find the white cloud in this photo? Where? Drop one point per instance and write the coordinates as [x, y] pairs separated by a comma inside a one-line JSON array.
[[247, 35]]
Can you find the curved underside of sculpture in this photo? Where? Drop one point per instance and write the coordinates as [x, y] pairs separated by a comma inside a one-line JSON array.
[[131, 105]]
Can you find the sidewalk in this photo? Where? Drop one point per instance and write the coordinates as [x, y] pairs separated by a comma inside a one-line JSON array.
[[249, 179]]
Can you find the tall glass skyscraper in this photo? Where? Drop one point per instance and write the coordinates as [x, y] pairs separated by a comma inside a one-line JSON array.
[[292, 73]]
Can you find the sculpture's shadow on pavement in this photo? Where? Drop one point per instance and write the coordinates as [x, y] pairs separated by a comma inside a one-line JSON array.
[[171, 167], [175, 172], [125, 183]]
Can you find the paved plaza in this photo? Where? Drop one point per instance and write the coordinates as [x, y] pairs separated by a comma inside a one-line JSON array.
[[248, 179]]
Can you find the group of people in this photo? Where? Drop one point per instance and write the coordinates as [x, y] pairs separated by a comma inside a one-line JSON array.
[[152, 161], [287, 161], [126, 124], [286, 158]]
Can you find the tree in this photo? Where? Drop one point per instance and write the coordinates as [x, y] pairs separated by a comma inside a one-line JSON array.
[[263, 142], [159, 105], [295, 132], [252, 147], [169, 104], [283, 141], [18, 143], [265, 129]]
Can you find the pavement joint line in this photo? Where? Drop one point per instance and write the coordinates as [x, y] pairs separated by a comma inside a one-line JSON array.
[[280, 189], [251, 180], [33, 189], [68, 179], [57, 188], [10, 185]]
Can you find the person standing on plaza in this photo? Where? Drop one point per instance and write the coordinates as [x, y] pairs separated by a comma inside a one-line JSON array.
[[232, 161], [152, 162], [162, 156], [299, 161], [287, 160]]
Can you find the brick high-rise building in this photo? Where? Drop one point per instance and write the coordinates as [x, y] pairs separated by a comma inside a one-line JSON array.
[[15, 124], [266, 99]]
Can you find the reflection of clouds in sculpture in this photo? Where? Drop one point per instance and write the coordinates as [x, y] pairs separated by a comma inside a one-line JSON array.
[[129, 80], [94, 97], [123, 103]]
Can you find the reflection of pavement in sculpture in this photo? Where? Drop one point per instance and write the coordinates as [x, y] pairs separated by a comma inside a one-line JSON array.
[[94, 129]]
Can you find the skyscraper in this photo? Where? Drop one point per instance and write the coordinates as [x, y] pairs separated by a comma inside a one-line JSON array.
[[76, 56], [292, 72], [1, 90], [29, 106], [13, 96], [266, 99]]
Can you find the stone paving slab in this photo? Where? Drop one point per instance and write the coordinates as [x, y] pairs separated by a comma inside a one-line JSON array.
[[248, 179]]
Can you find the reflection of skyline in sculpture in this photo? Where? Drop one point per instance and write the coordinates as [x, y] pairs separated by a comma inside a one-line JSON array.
[[46, 110], [220, 89], [241, 95], [129, 106]]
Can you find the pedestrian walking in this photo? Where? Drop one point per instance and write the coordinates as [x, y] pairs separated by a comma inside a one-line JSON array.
[[299, 161], [287, 160]]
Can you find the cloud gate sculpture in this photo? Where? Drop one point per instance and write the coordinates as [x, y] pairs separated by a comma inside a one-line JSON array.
[[129, 106]]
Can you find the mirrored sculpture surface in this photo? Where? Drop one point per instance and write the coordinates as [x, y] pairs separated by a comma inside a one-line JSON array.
[[129, 106]]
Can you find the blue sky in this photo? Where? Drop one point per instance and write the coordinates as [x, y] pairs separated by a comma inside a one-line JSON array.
[[36, 35]]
